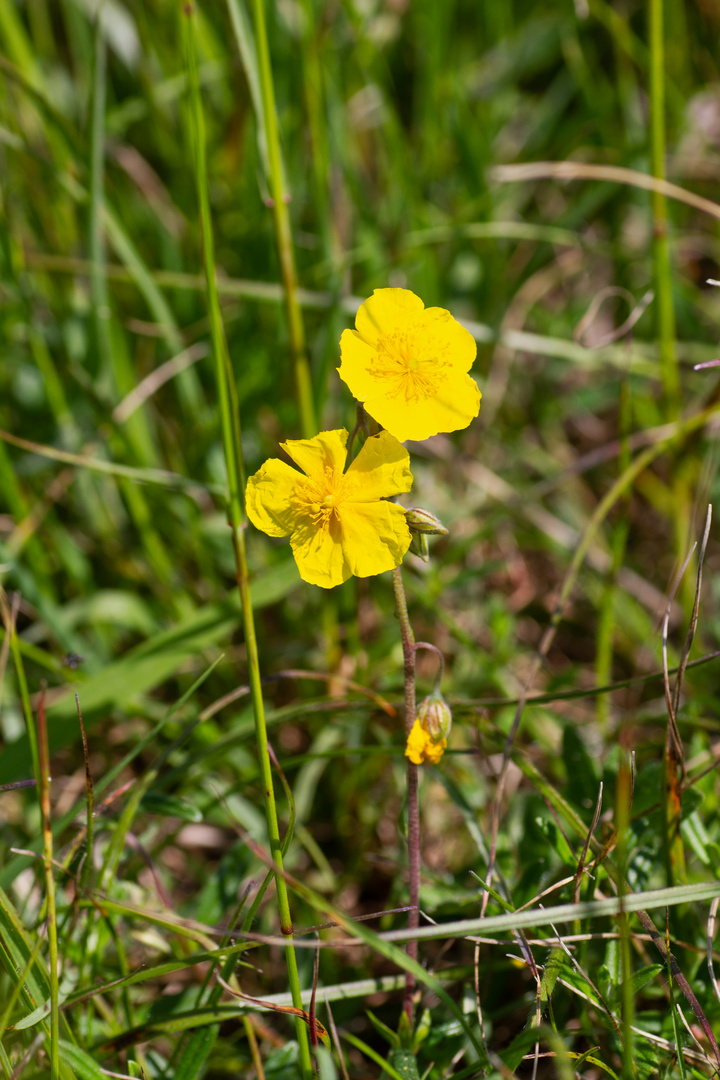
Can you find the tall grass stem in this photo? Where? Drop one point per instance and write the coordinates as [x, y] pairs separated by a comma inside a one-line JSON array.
[[43, 781], [623, 800], [661, 253], [283, 231], [98, 278], [232, 446]]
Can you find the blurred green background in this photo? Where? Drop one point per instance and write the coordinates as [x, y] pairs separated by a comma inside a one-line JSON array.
[[394, 119]]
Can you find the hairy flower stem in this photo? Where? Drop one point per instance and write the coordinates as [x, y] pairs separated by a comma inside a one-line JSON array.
[[413, 812], [232, 446]]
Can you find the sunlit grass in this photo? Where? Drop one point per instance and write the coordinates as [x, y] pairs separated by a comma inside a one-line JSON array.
[[154, 304]]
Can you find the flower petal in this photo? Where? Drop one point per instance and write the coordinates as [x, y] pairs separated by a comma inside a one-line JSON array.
[[386, 310], [270, 497], [381, 468], [326, 450], [420, 747], [435, 750], [375, 536], [357, 359], [416, 742], [319, 553], [447, 337], [456, 404]]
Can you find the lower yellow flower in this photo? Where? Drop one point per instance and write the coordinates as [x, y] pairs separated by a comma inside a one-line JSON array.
[[422, 747], [339, 522], [408, 364]]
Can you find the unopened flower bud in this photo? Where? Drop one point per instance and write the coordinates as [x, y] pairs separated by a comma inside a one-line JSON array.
[[419, 545], [422, 521], [435, 717]]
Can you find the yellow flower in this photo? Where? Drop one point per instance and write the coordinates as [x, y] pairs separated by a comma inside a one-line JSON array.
[[421, 746], [408, 364], [339, 522]]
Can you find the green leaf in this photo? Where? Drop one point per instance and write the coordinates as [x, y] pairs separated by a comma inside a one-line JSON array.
[[386, 1066], [639, 979], [558, 841], [582, 779], [391, 1037], [80, 1062], [423, 1030], [155, 802], [694, 833], [405, 1062], [325, 1064], [16, 950], [713, 851], [554, 965]]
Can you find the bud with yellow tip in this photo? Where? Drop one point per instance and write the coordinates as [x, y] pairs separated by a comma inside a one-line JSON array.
[[427, 740]]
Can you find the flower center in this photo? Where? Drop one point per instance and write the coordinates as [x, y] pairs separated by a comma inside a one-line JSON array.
[[321, 498], [411, 367]]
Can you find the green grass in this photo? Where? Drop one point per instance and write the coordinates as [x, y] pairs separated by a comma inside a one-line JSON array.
[[216, 191]]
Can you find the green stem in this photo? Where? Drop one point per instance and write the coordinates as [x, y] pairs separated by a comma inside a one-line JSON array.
[[607, 615], [98, 279], [413, 826], [43, 781], [232, 446], [41, 770], [283, 232], [623, 800], [8, 614], [661, 254]]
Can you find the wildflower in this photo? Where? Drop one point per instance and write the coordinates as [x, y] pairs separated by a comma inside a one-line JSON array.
[[408, 364], [427, 740], [339, 522], [421, 747]]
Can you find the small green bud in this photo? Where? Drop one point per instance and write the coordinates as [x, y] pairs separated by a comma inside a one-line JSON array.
[[435, 716], [422, 521], [419, 545]]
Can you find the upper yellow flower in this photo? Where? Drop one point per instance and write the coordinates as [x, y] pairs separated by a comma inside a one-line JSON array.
[[408, 364], [339, 522]]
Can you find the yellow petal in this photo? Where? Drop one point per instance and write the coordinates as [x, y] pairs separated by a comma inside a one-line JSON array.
[[434, 751], [381, 468], [416, 743], [357, 359], [455, 405], [444, 336], [386, 310], [319, 553], [270, 497], [375, 536], [326, 450], [420, 746]]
